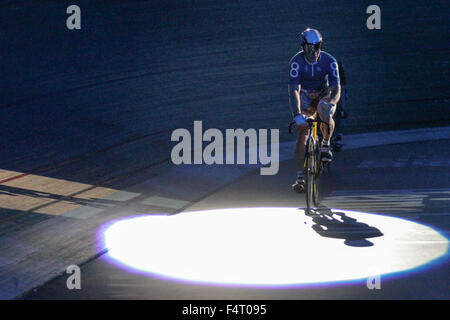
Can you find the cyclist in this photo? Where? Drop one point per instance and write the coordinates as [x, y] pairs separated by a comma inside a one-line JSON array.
[[313, 87]]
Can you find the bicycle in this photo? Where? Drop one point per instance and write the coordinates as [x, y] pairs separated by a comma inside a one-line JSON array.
[[313, 164]]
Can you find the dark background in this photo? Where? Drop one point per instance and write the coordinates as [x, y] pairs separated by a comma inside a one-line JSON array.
[[139, 69], [98, 105]]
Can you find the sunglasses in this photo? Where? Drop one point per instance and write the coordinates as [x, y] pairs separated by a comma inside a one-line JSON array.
[[313, 47]]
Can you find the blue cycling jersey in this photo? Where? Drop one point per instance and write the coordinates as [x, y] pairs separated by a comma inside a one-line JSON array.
[[313, 76]]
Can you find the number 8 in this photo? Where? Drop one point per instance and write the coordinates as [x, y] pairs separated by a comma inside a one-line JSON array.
[[294, 69], [334, 66]]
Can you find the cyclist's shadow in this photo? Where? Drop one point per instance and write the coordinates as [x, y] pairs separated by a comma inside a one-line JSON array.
[[355, 233]]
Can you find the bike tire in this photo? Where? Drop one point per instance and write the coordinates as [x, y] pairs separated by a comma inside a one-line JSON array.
[[310, 174], [317, 172]]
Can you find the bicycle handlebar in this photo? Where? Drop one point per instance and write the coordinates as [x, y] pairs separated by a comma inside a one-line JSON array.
[[310, 122]]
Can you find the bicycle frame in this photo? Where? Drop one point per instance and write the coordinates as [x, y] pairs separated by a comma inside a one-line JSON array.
[[313, 135], [312, 164]]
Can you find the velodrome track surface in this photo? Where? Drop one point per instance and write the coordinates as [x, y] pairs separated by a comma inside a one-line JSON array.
[[85, 114], [263, 235]]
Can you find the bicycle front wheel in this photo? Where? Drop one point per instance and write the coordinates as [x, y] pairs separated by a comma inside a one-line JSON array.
[[317, 171], [310, 176]]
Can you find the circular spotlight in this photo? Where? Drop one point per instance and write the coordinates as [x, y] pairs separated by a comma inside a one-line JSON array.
[[271, 246]]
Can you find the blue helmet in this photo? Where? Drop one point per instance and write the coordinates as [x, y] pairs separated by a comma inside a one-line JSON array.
[[311, 36]]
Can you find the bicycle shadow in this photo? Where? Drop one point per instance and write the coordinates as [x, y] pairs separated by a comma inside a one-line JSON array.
[[340, 226]]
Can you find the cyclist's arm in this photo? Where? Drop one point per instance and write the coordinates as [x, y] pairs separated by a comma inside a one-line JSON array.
[[334, 90], [294, 98]]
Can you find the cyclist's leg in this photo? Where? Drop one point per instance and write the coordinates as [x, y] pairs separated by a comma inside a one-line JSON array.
[[300, 145], [303, 132], [326, 112]]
